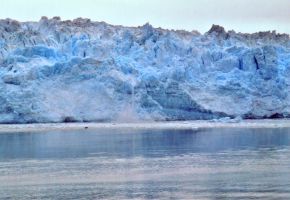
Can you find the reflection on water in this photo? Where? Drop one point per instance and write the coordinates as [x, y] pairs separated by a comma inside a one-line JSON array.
[[206, 164]]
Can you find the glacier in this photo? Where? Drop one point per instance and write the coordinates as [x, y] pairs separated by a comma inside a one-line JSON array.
[[85, 71]]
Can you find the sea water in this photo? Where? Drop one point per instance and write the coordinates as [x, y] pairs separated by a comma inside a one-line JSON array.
[[167, 164]]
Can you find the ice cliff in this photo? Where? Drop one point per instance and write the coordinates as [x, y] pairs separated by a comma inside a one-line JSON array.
[[56, 71]]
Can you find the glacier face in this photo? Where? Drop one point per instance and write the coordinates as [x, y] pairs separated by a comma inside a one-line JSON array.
[[61, 71]]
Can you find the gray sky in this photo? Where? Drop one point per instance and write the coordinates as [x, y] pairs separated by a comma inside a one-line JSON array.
[[240, 15]]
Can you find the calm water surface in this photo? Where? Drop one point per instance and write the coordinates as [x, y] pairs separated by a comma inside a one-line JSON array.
[[206, 164]]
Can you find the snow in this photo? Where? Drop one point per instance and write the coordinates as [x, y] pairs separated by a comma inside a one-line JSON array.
[[84, 71]]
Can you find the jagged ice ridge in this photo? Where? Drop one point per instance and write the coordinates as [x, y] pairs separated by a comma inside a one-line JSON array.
[[61, 71]]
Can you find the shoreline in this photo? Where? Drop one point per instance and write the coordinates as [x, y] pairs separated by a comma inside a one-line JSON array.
[[176, 125]]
